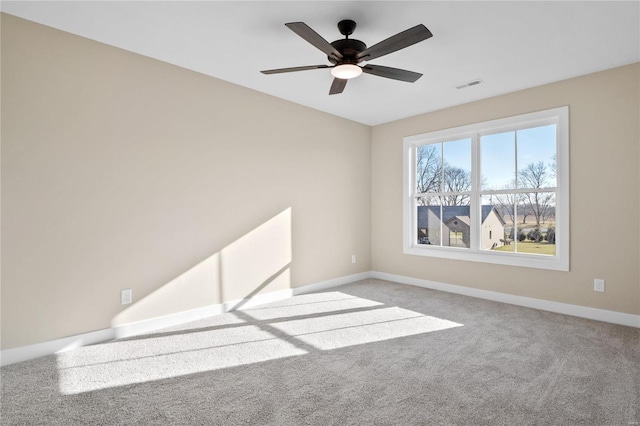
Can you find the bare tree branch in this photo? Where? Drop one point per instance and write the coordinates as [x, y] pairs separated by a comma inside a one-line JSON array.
[[428, 170], [456, 179], [536, 176]]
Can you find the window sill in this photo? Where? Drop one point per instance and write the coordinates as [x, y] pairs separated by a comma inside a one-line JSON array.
[[536, 261]]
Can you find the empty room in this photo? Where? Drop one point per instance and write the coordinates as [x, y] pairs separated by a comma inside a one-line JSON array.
[[320, 213]]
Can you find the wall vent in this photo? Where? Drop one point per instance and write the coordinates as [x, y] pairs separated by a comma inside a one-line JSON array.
[[474, 82]]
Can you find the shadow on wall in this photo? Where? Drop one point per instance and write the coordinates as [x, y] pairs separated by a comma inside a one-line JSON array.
[[256, 262]]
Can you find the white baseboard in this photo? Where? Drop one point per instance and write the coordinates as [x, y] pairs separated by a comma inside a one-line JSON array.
[[152, 324], [24, 353], [543, 305], [323, 285]]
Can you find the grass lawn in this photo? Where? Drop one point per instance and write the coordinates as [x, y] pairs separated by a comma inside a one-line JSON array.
[[530, 223], [530, 247]]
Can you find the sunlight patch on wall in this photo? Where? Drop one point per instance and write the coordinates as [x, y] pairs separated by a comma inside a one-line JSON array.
[[257, 258], [254, 263], [194, 288]]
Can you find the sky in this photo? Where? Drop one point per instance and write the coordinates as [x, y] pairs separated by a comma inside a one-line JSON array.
[[498, 154], [498, 159]]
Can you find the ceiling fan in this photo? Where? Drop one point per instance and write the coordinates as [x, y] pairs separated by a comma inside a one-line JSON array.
[[346, 54]]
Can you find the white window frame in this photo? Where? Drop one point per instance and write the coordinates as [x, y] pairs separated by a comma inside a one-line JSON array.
[[560, 261]]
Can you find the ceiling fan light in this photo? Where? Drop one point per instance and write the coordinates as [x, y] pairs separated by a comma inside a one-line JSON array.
[[346, 71]]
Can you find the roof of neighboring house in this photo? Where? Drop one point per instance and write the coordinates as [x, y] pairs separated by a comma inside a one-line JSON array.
[[448, 212], [463, 219]]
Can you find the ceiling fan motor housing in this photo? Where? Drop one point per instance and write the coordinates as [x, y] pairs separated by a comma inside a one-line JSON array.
[[349, 48]]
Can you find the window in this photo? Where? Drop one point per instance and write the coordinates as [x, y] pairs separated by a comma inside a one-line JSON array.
[[495, 192]]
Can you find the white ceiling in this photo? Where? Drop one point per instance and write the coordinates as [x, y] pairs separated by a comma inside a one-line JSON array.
[[509, 45]]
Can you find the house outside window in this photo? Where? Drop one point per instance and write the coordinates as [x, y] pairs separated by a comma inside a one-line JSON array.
[[495, 192]]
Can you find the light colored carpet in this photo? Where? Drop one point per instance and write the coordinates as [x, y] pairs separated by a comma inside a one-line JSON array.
[[371, 352]]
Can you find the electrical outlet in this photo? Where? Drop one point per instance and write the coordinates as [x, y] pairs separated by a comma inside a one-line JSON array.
[[353, 258], [126, 296], [598, 285]]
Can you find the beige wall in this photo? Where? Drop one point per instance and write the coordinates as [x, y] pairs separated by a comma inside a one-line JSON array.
[[604, 154], [119, 171]]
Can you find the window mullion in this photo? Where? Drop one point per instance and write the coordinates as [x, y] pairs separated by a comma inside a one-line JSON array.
[[441, 198], [515, 223], [515, 153], [518, 191], [516, 196], [474, 199], [442, 194]]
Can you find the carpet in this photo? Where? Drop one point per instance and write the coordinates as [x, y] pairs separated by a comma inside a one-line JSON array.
[[371, 352]]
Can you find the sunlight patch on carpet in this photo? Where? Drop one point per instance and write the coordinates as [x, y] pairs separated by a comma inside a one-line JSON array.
[[73, 380], [310, 308], [296, 326], [342, 330]]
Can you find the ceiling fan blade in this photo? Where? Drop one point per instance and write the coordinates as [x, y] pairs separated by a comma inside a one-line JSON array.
[[393, 73], [304, 31], [399, 41], [292, 69], [337, 86]]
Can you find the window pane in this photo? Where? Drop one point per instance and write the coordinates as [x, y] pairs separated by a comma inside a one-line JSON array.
[[429, 224], [536, 223], [457, 166], [497, 223], [498, 167], [537, 157], [429, 168]]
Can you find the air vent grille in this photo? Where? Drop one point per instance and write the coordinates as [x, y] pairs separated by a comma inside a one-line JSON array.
[[474, 82]]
